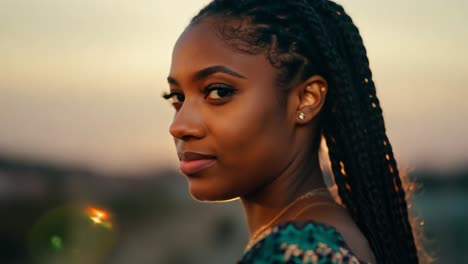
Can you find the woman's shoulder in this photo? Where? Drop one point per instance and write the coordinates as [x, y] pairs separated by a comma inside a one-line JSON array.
[[300, 242]]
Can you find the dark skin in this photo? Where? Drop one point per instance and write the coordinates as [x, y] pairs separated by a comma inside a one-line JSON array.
[[227, 106]]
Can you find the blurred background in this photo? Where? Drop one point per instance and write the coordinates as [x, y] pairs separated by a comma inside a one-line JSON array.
[[88, 170]]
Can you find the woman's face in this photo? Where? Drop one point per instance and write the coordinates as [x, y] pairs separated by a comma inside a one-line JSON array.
[[227, 107]]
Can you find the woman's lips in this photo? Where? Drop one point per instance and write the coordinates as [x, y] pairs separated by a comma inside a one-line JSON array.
[[192, 166]]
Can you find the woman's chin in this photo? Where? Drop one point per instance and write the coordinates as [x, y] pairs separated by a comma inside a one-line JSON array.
[[206, 193]]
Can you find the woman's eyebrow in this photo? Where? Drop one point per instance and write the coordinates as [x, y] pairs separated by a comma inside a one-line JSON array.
[[215, 69], [207, 72]]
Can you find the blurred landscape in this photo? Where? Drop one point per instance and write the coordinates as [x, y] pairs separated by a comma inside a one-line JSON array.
[[152, 219]]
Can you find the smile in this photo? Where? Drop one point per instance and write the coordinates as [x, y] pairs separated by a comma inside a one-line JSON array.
[[192, 166]]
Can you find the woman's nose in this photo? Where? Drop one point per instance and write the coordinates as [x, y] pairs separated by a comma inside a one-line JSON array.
[[188, 123]]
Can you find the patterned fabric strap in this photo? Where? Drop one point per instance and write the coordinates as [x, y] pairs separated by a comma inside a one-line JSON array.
[[307, 242]]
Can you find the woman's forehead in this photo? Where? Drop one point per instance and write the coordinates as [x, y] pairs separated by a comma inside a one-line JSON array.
[[200, 47]]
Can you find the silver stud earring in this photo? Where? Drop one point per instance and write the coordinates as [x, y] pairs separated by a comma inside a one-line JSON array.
[[301, 116]]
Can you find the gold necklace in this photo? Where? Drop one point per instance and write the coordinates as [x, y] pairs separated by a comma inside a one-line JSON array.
[[255, 236]]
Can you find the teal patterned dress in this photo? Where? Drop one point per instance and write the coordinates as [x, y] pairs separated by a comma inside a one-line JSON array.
[[305, 242]]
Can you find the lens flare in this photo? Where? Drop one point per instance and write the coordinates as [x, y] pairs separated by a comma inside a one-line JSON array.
[[99, 217], [56, 243], [74, 233]]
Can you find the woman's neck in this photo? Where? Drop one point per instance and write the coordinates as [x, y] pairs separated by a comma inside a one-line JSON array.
[[268, 202]]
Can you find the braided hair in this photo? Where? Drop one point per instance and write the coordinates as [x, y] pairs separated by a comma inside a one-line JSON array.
[[306, 37]]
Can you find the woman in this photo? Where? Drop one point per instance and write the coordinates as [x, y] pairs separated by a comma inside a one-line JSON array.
[[256, 85]]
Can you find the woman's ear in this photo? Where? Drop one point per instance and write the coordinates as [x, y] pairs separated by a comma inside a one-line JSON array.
[[311, 94]]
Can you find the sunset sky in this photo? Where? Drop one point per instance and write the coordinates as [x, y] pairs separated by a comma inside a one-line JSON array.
[[80, 80]]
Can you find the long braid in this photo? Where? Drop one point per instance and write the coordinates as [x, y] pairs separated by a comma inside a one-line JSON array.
[[352, 160], [363, 80], [309, 37], [379, 142]]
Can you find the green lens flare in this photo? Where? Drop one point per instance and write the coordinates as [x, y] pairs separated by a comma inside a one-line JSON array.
[[56, 243]]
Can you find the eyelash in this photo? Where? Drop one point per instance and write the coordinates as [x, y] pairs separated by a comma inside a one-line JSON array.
[[206, 92]]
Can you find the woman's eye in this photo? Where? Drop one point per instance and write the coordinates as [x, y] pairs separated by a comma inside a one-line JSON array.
[[218, 92], [174, 97]]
